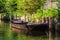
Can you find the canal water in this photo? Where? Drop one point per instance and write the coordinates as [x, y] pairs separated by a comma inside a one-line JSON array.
[[7, 34]]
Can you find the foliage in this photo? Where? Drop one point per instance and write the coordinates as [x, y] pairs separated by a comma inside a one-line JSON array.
[[2, 6], [50, 12], [30, 6], [22, 7], [38, 14]]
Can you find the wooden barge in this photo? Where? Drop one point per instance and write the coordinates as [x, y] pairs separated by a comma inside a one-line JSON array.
[[25, 27]]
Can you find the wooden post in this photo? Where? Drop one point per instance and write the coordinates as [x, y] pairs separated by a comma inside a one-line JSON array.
[[50, 38], [51, 28], [57, 31]]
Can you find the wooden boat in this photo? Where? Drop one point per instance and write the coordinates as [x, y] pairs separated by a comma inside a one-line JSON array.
[[24, 28]]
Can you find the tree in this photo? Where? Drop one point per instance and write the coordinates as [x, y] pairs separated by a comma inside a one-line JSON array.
[[30, 6], [58, 11], [2, 8], [21, 7]]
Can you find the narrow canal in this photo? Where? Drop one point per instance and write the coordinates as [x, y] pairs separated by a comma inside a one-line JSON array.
[[7, 34]]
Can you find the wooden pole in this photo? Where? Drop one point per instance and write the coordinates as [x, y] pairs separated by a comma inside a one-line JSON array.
[[51, 28], [50, 35]]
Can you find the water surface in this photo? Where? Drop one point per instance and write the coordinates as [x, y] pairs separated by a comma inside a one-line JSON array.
[[7, 34]]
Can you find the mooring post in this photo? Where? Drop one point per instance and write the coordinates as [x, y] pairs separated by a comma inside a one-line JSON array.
[[51, 28], [57, 31], [50, 38]]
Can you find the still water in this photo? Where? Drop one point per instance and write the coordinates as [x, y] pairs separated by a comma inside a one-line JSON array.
[[7, 34]]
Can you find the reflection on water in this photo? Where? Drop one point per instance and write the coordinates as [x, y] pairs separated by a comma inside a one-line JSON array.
[[7, 34]]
